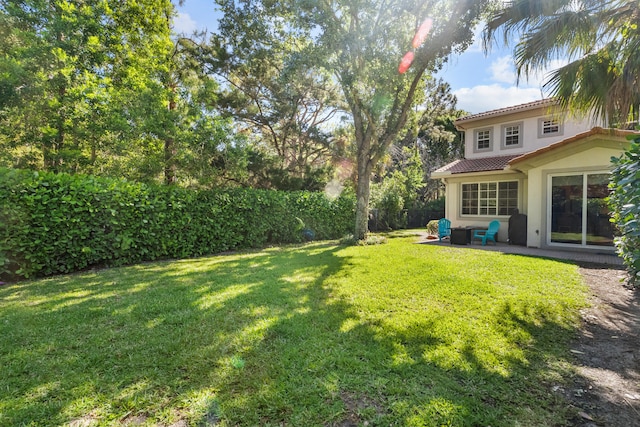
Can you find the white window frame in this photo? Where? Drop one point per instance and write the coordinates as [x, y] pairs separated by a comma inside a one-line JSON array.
[[585, 198], [550, 122], [505, 129], [476, 140], [488, 198]]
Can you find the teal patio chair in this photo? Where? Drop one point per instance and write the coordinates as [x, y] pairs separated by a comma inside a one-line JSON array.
[[488, 234], [444, 228]]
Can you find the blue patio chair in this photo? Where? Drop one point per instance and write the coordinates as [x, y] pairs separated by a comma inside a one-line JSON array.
[[444, 228], [488, 234]]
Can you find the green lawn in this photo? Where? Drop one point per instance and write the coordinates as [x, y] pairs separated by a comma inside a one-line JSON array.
[[318, 335]]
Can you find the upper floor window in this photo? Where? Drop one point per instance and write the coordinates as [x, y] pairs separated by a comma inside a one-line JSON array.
[[549, 127], [512, 135], [483, 140]]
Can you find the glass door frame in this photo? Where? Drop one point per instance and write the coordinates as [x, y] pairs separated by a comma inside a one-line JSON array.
[[584, 225]]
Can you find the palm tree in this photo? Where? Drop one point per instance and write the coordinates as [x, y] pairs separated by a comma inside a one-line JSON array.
[[601, 39]]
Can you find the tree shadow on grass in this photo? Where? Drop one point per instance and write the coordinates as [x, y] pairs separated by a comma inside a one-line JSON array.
[[134, 341], [260, 338]]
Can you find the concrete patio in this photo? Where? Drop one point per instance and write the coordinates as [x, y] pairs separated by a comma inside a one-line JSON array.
[[603, 257]]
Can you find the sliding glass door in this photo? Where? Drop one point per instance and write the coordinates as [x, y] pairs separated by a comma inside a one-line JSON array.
[[578, 210]]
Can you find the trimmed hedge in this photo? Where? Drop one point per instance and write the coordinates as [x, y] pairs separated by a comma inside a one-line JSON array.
[[625, 204], [59, 223]]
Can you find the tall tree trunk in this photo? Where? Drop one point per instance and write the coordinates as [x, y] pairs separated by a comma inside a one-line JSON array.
[[170, 169], [59, 145], [169, 161], [365, 167], [54, 158]]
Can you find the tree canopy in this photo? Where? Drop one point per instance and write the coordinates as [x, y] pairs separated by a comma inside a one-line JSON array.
[[359, 45], [103, 88], [288, 108], [282, 93]]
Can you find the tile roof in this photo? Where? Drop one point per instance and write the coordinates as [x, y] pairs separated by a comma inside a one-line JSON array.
[[567, 141], [484, 164], [498, 163], [522, 107]]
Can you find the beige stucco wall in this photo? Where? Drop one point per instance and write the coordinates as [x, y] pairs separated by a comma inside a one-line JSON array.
[[590, 155], [454, 200], [531, 139], [594, 159]]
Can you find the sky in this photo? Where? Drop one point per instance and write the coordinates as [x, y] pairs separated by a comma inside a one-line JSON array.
[[480, 82]]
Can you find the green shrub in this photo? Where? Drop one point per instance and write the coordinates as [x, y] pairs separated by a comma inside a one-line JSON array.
[[370, 240], [625, 204], [432, 227], [436, 205], [388, 197], [58, 223]]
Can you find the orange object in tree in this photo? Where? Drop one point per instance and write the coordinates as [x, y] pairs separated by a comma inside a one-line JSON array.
[[405, 63], [422, 33]]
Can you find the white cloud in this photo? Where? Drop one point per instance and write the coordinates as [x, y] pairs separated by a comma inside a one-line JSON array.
[[490, 97], [504, 90], [503, 71], [184, 24]]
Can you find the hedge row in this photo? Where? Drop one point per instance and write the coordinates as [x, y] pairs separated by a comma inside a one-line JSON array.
[[625, 203], [58, 223]]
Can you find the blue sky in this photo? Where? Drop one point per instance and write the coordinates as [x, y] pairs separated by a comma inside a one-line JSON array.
[[480, 82]]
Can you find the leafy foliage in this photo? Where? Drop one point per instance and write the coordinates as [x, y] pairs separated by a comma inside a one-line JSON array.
[[625, 201], [58, 223], [387, 199], [600, 39], [67, 60], [432, 227], [359, 44], [276, 96], [106, 89], [435, 135], [362, 44], [398, 190]]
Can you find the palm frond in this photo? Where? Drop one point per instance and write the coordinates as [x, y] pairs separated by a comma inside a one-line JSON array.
[[519, 16], [567, 35], [583, 85], [600, 37]]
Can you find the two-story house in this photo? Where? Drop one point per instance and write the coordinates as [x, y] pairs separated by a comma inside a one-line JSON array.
[[549, 165]]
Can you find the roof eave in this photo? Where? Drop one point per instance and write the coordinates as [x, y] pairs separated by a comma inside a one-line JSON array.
[[440, 175], [506, 170], [459, 123], [524, 159]]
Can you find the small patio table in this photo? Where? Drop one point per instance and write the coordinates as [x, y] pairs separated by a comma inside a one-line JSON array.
[[461, 235]]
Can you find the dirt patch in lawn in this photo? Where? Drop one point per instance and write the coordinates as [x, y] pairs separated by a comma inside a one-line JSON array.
[[606, 391]]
